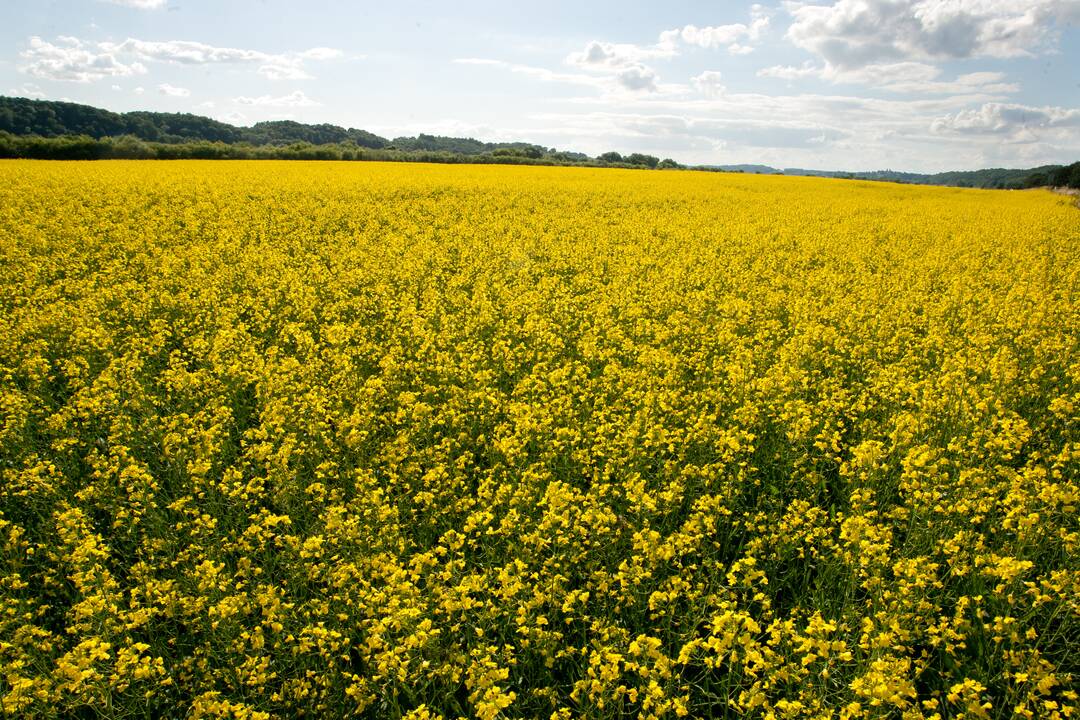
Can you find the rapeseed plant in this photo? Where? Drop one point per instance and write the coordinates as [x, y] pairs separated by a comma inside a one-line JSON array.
[[286, 440]]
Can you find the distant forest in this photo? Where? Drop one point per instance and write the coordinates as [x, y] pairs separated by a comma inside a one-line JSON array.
[[63, 130], [55, 130]]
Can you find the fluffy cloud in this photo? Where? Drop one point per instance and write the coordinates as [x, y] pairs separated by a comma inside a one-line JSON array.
[[285, 66], [637, 77], [293, 99], [74, 60], [71, 60], [1008, 119], [708, 83], [625, 63], [599, 55], [621, 62], [735, 37], [852, 33], [173, 91], [183, 51]]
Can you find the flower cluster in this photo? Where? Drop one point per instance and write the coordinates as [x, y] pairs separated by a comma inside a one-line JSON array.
[[284, 440]]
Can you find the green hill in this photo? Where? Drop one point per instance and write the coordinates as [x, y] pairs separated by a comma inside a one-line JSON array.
[[20, 116]]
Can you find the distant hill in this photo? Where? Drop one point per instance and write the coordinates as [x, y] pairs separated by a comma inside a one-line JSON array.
[[991, 178], [998, 178], [21, 116]]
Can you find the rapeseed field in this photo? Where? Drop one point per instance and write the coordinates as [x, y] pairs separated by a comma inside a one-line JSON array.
[[284, 440]]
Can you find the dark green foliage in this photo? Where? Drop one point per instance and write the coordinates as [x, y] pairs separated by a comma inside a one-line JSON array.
[[23, 117], [283, 132], [1035, 180], [640, 159], [20, 116], [528, 152], [1066, 176], [84, 147], [465, 146]]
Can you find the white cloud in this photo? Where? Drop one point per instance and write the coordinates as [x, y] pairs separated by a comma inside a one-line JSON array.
[[736, 37], [69, 59], [139, 4], [184, 52], [624, 64], [708, 83], [605, 56], [1021, 121], [282, 66], [173, 91], [73, 60], [637, 77], [621, 64], [139, 90], [293, 99], [853, 33]]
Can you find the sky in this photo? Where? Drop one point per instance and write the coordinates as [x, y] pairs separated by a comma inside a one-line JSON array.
[[915, 85]]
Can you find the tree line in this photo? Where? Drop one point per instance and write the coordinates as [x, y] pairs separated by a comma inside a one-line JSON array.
[[84, 147], [1063, 176], [63, 130], [992, 178]]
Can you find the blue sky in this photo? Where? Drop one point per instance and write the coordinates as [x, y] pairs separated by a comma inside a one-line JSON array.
[[919, 85]]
